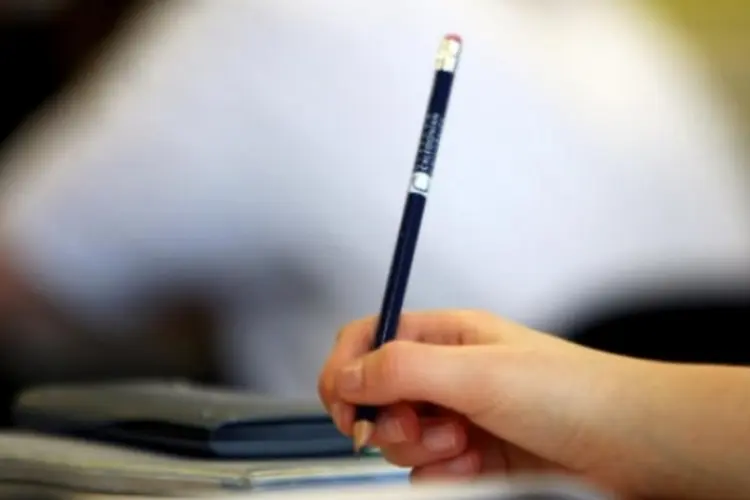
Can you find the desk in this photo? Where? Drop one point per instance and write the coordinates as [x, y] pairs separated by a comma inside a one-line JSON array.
[[509, 489]]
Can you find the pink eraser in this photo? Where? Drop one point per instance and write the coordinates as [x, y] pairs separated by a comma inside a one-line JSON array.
[[454, 37]]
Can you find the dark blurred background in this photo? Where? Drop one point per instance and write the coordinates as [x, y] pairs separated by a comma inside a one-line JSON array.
[[44, 44]]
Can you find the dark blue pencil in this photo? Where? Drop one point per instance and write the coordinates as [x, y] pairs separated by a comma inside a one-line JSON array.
[[411, 220]]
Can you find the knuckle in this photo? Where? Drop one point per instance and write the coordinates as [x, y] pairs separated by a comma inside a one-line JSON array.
[[474, 316], [478, 326], [343, 332], [359, 327]]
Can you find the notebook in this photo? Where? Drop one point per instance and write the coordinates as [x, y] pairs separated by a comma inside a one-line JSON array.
[[183, 418]]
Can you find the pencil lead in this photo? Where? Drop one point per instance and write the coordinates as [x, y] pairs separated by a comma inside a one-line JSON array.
[[363, 431]]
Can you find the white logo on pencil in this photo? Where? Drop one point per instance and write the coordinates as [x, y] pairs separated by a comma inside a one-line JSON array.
[[420, 183]]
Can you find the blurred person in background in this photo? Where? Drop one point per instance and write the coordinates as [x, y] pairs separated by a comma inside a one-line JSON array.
[[252, 157]]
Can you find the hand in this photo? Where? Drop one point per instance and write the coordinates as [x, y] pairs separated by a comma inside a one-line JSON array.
[[465, 393]]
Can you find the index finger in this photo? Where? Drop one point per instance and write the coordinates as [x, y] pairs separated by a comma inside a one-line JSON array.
[[446, 327], [352, 341]]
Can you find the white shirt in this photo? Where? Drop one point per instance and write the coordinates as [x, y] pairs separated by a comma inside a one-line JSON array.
[[260, 150]]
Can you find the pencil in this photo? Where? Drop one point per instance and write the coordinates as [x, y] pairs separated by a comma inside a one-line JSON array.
[[411, 219]]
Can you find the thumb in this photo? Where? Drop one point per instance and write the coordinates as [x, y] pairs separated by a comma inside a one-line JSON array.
[[453, 377]]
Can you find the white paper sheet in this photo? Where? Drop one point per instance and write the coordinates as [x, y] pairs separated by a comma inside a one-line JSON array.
[[95, 467]]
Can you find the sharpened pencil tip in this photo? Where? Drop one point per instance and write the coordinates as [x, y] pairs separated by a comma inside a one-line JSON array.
[[363, 431]]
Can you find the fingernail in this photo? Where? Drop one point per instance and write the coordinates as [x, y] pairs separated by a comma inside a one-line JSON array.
[[350, 378], [439, 439], [461, 465], [391, 430], [336, 413]]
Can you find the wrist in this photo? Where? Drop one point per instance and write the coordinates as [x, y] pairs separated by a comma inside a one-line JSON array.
[[683, 426]]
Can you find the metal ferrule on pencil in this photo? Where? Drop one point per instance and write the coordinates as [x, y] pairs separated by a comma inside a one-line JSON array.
[[448, 54]]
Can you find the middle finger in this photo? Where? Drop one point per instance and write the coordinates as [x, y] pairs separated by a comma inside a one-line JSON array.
[[438, 441]]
